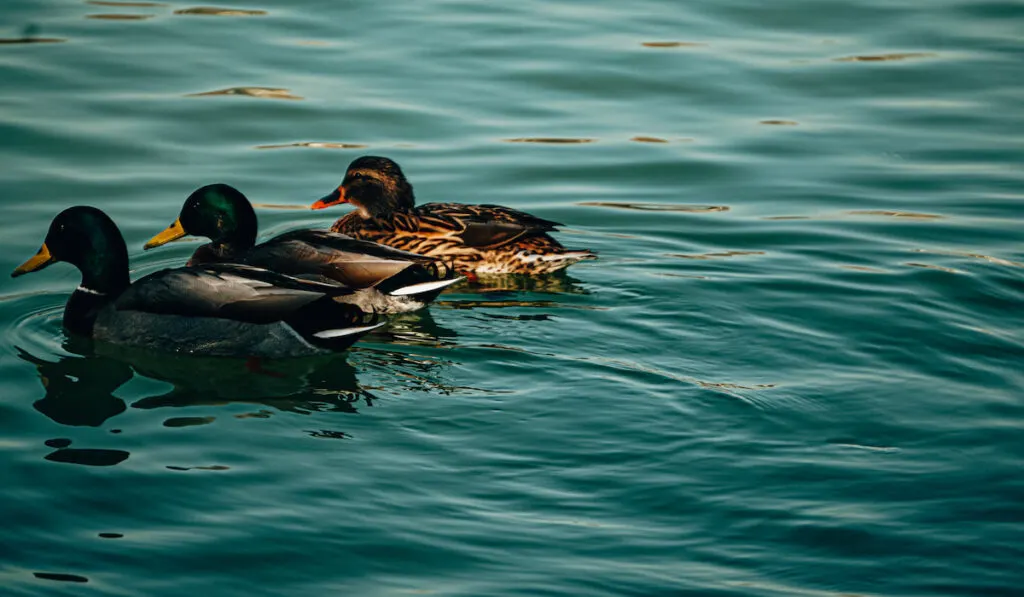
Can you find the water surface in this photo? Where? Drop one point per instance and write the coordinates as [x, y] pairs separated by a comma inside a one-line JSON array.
[[795, 370]]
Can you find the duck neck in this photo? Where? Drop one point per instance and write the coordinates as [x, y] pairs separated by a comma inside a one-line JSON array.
[[105, 270], [104, 278], [236, 230], [242, 238], [82, 309], [215, 252]]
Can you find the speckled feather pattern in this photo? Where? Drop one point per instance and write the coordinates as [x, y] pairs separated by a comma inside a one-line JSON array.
[[481, 239]]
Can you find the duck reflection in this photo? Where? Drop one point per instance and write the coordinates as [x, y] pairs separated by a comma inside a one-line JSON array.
[[416, 329], [555, 283], [320, 384], [79, 389], [497, 291]]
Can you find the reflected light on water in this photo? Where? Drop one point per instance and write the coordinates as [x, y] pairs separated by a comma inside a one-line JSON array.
[[212, 11], [260, 92]]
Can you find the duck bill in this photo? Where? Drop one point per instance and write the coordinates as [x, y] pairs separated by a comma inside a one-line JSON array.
[[173, 232], [35, 263], [337, 196]]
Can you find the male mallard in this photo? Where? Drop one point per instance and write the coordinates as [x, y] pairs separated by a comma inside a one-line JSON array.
[[216, 310], [388, 280], [480, 239]]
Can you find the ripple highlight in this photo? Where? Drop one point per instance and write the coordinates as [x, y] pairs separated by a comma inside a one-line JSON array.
[[656, 206], [213, 11], [258, 92]]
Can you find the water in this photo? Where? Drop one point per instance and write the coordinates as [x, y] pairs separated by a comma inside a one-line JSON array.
[[794, 371]]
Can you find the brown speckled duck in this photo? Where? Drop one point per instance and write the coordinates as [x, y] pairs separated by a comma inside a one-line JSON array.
[[479, 239]]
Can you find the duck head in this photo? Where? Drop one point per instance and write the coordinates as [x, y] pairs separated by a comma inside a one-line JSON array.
[[219, 212], [376, 187], [88, 239]]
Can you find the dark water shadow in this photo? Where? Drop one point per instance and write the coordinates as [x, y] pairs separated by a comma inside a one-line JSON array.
[[60, 577], [321, 384], [88, 456], [79, 390], [31, 40], [79, 385], [30, 35]]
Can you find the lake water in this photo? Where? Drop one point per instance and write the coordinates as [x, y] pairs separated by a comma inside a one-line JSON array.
[[795, 370]]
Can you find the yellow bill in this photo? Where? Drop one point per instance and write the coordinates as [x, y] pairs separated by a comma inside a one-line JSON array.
[[35, 263], [173, 232]]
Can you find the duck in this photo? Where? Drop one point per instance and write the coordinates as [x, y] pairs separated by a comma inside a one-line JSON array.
[[231, 310], [478, 239], [384, 279]]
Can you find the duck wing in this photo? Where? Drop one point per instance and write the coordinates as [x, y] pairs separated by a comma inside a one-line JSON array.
[[482, 226], [227, 291], [352, 262]]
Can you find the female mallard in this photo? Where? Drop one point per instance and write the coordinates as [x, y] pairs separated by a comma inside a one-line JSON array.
[[215, 310], [480, 239], [387, 280]]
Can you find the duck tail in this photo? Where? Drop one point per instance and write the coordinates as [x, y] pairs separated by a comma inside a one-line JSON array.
[[580, 255], [565, 258], [547, 263], [425, 288], [334, 326], [422, 282]]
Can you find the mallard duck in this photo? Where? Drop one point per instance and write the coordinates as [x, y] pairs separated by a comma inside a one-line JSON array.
[[479, 239], [215, 310], [387, 280]]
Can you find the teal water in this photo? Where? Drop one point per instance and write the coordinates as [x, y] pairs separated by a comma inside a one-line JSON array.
[[796, 369]]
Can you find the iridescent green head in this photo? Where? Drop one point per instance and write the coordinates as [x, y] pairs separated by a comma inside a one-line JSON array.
[[88, 239], [219, 212]]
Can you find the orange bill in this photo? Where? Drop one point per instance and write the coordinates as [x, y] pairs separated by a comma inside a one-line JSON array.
[[337, 196]]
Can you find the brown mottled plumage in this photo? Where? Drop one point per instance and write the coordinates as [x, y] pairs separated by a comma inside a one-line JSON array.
[[480, 239]]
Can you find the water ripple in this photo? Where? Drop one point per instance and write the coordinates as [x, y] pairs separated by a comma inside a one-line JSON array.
[[551, 140], [314, 144], [212, 11], [259, 92], [794, 369], [656, 206], [31, 40], [671, 44], [125, 4], [885, 57], [120, 17]]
